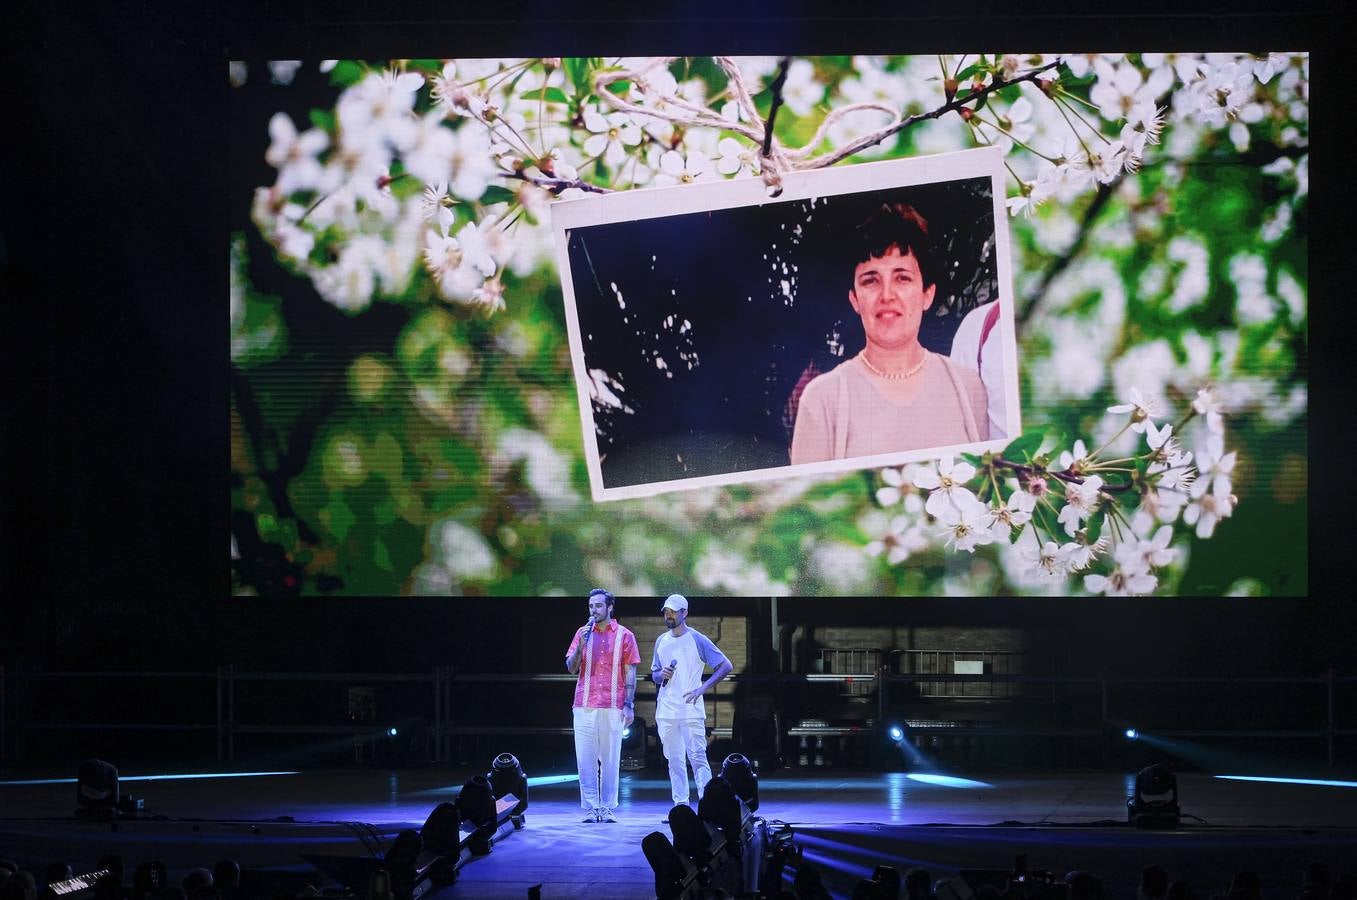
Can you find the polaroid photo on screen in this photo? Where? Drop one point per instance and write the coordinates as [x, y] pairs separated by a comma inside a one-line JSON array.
[[722, 336]]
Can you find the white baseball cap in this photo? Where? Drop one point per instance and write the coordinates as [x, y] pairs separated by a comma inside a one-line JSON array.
[[675, 602]]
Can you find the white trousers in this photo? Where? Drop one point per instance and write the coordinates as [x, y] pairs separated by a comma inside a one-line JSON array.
[[685, 742], [598, 753]]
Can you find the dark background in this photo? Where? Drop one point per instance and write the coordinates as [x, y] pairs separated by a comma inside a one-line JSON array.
[[721, 271], [113, 273]]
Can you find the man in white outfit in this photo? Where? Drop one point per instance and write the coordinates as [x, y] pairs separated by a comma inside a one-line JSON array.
[[681, 656]]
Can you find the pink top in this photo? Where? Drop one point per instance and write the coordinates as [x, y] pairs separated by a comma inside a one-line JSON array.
[[603, 675]]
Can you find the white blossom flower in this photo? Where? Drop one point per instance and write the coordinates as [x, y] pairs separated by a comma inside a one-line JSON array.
[[1215, 466], [379, 107], [964, 523], [944, 482], [436, 205], [677, 169], [1206, 507], [1269, 65], [464, 552], [1076, 460], [610, 135], [899, 486], [1222, 92], [1130, 577], [490, 295], [1048, 563], [429, 157], [900, 538], [349, 283], [453, 98], [1186, 67], [1143, 126], [473, 168], [1023, 203], [800, 92], [1080, 501], [1156, 552], [1080, 556], [1013, 513], [1207, 404], [294, 155], [1119, 88], [736, 159], [1107, 162], [1158, 505], [459, 265], [1142, 409]]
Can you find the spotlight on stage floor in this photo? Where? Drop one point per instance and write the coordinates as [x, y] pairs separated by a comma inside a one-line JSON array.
[[634, 745], [723, 846], [507, 779], [1154, 801], [97, 796], [490, 807], [739, 772]]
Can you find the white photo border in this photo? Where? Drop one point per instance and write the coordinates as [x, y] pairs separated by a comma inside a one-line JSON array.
[[654, 203]]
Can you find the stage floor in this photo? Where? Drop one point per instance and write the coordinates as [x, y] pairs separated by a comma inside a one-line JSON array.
[[847, 823]]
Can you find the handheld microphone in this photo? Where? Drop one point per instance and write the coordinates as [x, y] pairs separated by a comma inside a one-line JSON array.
[[673, 664], [589, 628]]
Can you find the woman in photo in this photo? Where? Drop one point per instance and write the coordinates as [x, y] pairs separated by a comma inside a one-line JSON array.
[[894, 395]]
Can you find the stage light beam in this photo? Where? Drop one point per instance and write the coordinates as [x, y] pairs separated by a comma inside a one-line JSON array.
[[896, 733], [1132, 734]]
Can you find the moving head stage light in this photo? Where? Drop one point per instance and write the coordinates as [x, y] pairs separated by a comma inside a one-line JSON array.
[[96, 793], [723, 846], [1154, 803], [489, 807]]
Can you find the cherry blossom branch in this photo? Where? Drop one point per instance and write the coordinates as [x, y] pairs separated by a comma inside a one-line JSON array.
[[558, 185], [778, 83], [760, 134], [876, 137]]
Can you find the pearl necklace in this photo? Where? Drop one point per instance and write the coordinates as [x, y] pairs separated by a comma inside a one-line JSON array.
[[893, 376]]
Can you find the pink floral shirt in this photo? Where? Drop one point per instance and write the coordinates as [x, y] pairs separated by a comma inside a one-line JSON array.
[[603, 669]]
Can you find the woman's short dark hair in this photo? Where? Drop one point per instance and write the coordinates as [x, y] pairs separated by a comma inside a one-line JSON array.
[[607, 596], [896, 225]]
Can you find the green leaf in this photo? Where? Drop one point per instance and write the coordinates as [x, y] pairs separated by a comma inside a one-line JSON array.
[[579, 71], [347, 72], [497, 194], [972, 458], [1016, 533], [1094, 528], [620, 88], [968, 71], [323, 119], [338, 517], [550, 95], [1023, 447]]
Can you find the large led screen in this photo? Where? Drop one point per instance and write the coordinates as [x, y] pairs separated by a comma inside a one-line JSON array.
[[882, 326]]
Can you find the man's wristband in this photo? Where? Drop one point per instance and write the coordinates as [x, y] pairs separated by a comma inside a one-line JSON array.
[[629, 705]]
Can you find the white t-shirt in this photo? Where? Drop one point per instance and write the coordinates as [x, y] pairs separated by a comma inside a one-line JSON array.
[[692, 652], [966, 351]]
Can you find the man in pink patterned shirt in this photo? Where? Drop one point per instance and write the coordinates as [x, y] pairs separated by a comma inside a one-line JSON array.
[[605, 656]]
